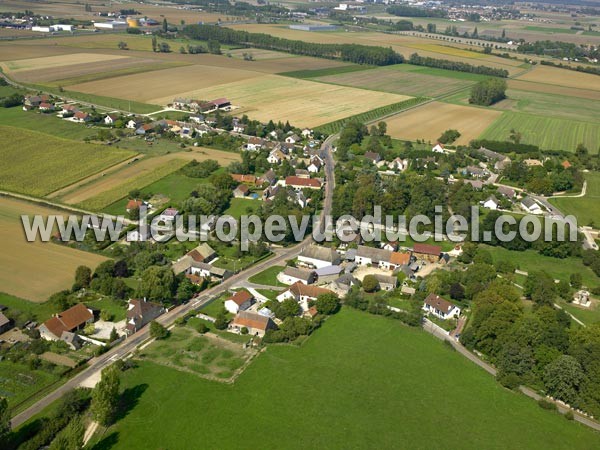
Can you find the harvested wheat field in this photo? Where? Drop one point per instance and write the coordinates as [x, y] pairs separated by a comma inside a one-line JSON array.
[[140, 173], [562, 77], [303, 103], [9, 51], [428, 122], [35, 270], [51, 62], [259, 54], [553, 89]]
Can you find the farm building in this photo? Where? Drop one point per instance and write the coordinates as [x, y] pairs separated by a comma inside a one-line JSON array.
[[141, 312], [256, 324], [440, 307], [317, 257], [71, 320], [427, 252], [240, 301], [303, 294], [291, 275], [313, 27], [302, 183], [114, 25]]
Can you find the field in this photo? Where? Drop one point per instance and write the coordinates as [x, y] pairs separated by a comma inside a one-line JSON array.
[[44, 123], [553, 89], [40, 164], [18, 382], [53, 62], [559, 77], [403, 79], [240, 206], [267, 276], [37, 269], [430, 121], [584, 208], [546, 132], [355, 380], [101, 192]]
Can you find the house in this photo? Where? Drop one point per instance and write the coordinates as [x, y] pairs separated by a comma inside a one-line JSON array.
[[298, 183], [46, 106], [202, 253], [303, 294], [533, 162], [440, 307], [255, 144], [145, 129], [221, 103], [302, 173], [270, 192], [379, 257], [475, 171], [256, 324], [399, 164], [507, 192], [531, 206], [240, 301], [566, 164], [198, 118], [168, 215], [317, 257], [477, 185], [5, 323], [81, 117], [438, 148], [375, 158], [71, 320], [241, 191], [276, 156], [491, 203], [246, 179], [110, 119], [391, 246], [328, 273], [200, 269], [67, 109], [141, 312], [427, 252], [293, 139], [315, 164], [343, 284], [134, 124], [300, 198], [181, 103], [291, 275], [490, 155], [133, 204], [286, 147], [269, 177], [386, 282], [307, 133], [237, 126], [73, 341]]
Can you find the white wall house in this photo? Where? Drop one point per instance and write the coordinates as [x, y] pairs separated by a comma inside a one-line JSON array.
[[440, 307]]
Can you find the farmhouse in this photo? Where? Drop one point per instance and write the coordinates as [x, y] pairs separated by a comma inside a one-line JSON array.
[[427, 252], [291, 275], [71, 320], [140, 312], [81, 117], [491, 203], [440, 307], [240, 301], [241, 191], [303, 294], [507, 192], [298, 183], [386, 282], [256, 324], [531, 206], [203, 253], [382, 258], [247, 179], [317, 257], [110, 119]]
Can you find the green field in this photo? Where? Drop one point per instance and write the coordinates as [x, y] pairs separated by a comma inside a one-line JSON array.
[[40, 311], [18, 382], [267, 277], [241, 206], [586, 208], [532, 261], [546, 132], [361, 382], [550, 30], [314, 73], [41, 164], [44, 123]]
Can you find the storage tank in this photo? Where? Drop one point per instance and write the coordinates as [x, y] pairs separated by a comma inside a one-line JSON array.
[[133, 22]]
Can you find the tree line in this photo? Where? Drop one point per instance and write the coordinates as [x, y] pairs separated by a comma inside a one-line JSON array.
[[456, 65], [411, 11], [487, 92], [359, 54]]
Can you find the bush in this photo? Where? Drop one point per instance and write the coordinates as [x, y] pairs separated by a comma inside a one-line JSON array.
[[107, 316], [201, 328], [509, 380], [569, 415], [244, 330], [547, 404], [157, 331], [370, 283]]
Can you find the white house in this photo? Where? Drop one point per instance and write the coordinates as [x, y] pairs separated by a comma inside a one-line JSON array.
[[240, 301], [491, 203], [440, 307], [303, 294], [438, 148], [307, 132], [133, 124], [399, 164], [317, 257], [110, 119], [531, 206], [276, 157], [254, 144], [315, 164], [168, 215], [292, 275], [293, 139]]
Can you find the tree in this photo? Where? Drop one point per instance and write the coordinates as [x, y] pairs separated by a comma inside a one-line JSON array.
[[165, 25], [576, 280], [515, 136], [221, 321], [158, 283], [288, 308], [327, 303], [157, 331], [83, 276], [185, 290], [370, 283], [154, 44], [4, 421], [71, 437], [113, 335], [105, 397], [488, 92], [122, 45], [163, 47], [564, 378]]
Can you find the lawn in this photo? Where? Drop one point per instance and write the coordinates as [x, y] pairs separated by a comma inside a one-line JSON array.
[[360, 382], [532, 261], [18, 382], [586, 315], [550, 133], [584, 208], [40, 311], [116, 308], [241, 206], [216, 305], [267, 277], [41, 164]]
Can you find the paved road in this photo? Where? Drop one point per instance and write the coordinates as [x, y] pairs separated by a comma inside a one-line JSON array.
[[131, 343]]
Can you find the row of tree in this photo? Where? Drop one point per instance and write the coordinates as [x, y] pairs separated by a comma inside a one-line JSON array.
[[456, 65]]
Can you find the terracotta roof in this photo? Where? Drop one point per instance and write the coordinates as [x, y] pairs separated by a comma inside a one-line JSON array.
[[81, 115], [241, 297], [312, 311], [68, 320], [243, 189], [307, 182], [400, 258], [244, 178], [252, 320], [133, 204], [566, 164], [427, 249], [439, 303], [304, 290]]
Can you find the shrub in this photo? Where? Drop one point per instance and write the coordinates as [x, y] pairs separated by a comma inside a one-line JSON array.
[[157, 331], [546, 404], [244, 330], [569, 415]]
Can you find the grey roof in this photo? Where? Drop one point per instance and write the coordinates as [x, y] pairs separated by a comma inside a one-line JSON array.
[[375, 254], [506, 191], [528, 202], [386, 279], [320, 253], [489, 154], [347, 280], [350, 254], [329, 270], [4, 320], [492, 198], [301, 274]]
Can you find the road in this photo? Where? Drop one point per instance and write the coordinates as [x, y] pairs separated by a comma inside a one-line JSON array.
[[131, 343]]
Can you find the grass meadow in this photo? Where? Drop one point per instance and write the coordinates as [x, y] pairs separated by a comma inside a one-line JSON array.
[[267, 277], [362, 379], [584, 208]]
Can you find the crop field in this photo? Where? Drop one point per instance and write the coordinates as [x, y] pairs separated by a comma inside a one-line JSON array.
[[561, 77], [584, 208], [259, 54], [407, 80], [553, 89], [40, 164], [37, 269], [368, 375], [546, 132], [53, 62], [302, 102], [430, 121]]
